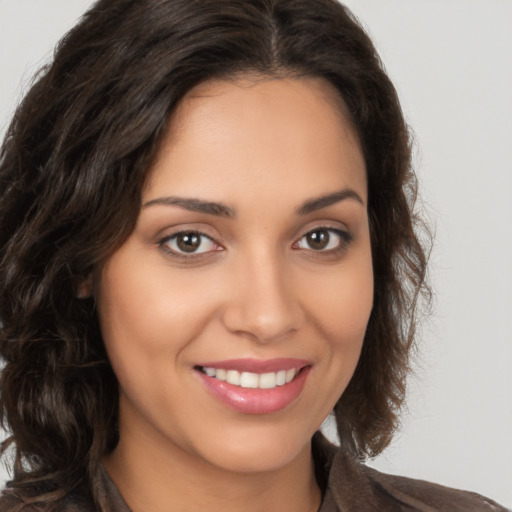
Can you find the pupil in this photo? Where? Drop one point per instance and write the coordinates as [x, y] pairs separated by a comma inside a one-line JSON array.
[[318, 239], [188, 242]]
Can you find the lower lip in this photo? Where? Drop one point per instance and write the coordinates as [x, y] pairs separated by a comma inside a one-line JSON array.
[[255, 400]]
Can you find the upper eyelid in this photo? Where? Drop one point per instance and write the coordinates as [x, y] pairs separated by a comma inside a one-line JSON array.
[[343, 233], [336, 226], [172, 231], [187, 231], [164, 239]]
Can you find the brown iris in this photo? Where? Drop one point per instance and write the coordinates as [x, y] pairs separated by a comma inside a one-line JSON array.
[[188, 242], [318, 240]]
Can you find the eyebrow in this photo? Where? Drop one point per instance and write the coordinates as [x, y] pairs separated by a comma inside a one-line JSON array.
[[195, 205], [318, 203], [221, 210]]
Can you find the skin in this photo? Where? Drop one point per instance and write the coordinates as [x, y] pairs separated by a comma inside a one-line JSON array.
[[254, 289]]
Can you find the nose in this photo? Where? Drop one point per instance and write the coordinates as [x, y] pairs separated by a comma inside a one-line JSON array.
[[264, 305]]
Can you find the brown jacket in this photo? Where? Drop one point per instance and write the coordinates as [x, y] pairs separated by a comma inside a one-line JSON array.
[[349, 486]]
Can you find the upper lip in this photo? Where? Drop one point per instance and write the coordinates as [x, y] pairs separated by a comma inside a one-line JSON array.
[[257, 365]]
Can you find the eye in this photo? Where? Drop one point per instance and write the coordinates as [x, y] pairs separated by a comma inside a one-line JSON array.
[[189, 242], [324, 240]]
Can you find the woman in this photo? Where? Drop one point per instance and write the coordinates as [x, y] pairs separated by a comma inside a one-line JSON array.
[[208, 244]]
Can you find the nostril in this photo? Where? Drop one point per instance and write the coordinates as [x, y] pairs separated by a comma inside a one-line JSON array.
[[262, 322]]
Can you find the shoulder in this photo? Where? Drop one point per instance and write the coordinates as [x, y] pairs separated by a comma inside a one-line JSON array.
[[12, 502], [428, 496], [353, 486], [79, 499]]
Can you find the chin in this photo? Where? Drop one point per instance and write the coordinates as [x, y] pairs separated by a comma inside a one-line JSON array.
[[261, 461], [253, 451]]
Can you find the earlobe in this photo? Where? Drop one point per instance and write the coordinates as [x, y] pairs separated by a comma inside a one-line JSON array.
[[84, 288]]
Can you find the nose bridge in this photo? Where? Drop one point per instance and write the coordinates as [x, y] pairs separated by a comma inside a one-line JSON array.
[[264, 305]]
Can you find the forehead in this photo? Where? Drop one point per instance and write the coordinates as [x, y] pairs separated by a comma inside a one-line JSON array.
[[259, 130], [251, 88]]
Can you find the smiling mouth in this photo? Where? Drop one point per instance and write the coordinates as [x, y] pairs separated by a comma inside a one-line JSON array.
[[251, 380], [253, 386]]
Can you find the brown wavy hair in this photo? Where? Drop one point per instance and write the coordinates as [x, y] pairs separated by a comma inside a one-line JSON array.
[[72, 167]]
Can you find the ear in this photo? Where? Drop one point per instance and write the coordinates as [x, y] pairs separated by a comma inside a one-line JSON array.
[[84, 288]]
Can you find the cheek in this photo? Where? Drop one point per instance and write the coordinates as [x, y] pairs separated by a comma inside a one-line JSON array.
[[145, 311], [340, 306], [347, 312], [343, 303], [131, 310]]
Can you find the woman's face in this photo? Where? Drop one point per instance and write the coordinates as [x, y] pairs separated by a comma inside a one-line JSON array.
[[250, 262]]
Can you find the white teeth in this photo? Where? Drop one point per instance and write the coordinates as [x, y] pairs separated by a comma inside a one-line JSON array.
[[249, 380], [210, 372], [233, 377], [268, 380], [220, 374], [290, 374]]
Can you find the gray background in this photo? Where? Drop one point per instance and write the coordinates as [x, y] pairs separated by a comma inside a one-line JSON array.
[[451, 61]]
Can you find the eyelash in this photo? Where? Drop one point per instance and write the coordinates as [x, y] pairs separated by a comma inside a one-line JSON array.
[[345, 238], [164, 244]]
